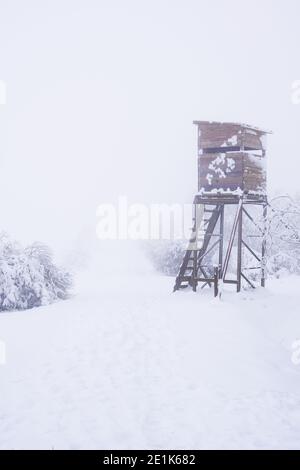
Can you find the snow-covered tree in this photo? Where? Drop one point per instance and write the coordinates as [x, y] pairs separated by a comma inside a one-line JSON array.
[[28, 276], [283, 235]]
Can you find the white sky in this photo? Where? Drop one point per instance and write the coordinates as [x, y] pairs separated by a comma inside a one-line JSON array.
[[101, 96]]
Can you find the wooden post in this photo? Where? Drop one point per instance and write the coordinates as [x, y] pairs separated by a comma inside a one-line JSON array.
[[195, 259], [239, 252], [232, 238], [216, 281], [221, 243], [263, 247]]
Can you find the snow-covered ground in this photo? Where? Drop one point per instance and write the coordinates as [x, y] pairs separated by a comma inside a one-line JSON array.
[[127, 364]]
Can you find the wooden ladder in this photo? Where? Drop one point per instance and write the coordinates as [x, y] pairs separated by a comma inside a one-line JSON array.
[[205, 221]]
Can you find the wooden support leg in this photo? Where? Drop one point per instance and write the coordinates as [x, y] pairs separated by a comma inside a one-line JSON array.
[[263, 248], [221, 242], [195, 254], [239, 252], [216, 281]]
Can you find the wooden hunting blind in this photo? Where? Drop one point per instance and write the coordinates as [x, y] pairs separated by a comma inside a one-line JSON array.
[[231, 173], [231, 157]]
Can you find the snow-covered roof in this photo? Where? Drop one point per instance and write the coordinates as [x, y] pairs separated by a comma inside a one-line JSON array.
[[241, 125]]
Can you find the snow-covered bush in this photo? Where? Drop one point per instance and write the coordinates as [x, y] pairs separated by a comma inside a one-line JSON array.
[[28, 276], [166, 255]]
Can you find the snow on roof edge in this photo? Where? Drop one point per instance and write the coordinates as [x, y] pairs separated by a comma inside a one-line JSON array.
[[246, 126]]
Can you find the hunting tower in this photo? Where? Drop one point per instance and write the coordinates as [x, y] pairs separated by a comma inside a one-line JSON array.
[[231, 190]]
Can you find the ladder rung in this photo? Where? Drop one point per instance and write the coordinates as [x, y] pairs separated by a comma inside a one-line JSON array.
[[254, 267], [185, 278], [199, 242]]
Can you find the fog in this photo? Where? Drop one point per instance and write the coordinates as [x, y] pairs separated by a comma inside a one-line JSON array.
[[101, 96]]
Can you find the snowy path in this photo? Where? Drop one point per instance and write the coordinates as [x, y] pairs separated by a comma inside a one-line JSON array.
[[138, 367]]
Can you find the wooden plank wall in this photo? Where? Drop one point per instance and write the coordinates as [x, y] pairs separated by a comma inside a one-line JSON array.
[[254, 173], [233, 177], [230, 171], [222, 135], [216, 135], [254, 139]]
